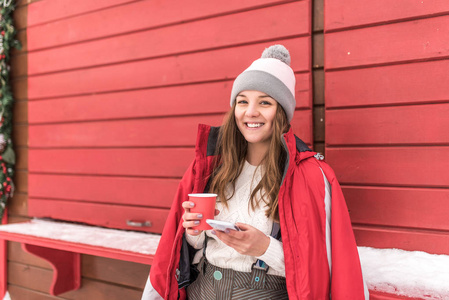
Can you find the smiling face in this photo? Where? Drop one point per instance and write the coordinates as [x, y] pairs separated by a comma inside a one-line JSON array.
[[254, 114]]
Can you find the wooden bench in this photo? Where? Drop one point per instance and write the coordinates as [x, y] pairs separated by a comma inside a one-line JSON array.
[[62, 243]]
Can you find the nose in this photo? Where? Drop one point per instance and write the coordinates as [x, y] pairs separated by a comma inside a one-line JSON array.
[[252, 110]]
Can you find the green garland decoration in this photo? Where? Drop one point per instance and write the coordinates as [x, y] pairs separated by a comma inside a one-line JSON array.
[[7, 156]]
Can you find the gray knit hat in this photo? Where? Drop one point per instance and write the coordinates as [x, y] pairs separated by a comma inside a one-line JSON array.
[[270, 74]]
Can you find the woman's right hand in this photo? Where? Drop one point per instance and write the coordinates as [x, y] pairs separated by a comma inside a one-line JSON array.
[[192, 219]]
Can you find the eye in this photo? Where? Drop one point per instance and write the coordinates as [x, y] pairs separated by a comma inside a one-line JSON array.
[[265, 102], [242, 102]]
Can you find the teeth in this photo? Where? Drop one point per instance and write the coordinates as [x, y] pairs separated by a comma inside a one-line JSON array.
[[254, 125]]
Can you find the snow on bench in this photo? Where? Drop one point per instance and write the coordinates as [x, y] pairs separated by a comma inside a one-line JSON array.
[[138, 242], [413, 274]]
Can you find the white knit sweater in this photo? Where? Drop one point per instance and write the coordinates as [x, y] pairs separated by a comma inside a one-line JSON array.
[[239, 210]]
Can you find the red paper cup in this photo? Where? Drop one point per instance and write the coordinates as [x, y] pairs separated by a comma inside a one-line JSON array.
[[204, 204]]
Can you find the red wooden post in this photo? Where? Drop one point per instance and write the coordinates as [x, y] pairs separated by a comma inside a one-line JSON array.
[[3, 261]]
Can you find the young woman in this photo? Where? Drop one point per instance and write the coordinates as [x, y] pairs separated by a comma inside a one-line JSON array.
[[295, 239]]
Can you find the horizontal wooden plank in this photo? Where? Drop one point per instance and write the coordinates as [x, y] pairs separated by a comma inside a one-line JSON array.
[[115, 271], [212, 65], [302, 125], [30, 277], [37, 279], [18, 292], [46, 11], [388, 125], [408, 83], [397, 166], [105, 215], [93, 267], [152, 192], [407, 41], [166, 101], [137, 20], [401, 207], [122, 133], [165, 162], [92, 289], [350, 13], [139, 133], [407, 239], [149, 44], [18, 255]]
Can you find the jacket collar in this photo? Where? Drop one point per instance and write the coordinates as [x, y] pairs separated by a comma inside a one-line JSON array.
[[297, 149]]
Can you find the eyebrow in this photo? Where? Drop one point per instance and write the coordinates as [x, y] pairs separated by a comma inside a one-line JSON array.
[[263, 96]]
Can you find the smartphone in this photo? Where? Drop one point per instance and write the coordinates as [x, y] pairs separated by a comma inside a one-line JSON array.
[[221, 225]]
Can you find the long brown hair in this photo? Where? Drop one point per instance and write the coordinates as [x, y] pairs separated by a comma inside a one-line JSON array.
[[231, 154]]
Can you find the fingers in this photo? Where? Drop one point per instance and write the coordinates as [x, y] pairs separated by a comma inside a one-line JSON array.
[[193, 231], [243, 226], [192, 216], [228, 239], [190, 219], [190, 224], [221, 235], [187, 205], [229, 235]]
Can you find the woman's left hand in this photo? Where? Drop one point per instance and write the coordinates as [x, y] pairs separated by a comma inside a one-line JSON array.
[[249, 241]]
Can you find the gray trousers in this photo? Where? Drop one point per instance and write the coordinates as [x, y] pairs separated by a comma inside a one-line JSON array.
[[223, 284]]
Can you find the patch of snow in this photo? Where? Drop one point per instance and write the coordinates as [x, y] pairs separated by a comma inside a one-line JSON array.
[[414, 274], [7, 297], [139, 242]]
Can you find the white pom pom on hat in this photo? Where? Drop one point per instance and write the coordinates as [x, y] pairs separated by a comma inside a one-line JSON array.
[[270, 74]]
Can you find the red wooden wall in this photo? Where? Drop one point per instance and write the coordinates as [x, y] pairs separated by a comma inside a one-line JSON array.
[[387, 108], [116, 90]]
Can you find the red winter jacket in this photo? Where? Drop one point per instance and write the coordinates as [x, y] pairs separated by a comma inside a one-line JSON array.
[[302, 220]]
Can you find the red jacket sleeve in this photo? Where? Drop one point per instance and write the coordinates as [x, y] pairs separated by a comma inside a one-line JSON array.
[[159, 276], [346, 279]]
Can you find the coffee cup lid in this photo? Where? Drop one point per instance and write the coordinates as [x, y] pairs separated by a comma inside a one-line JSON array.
[[203, 195]]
